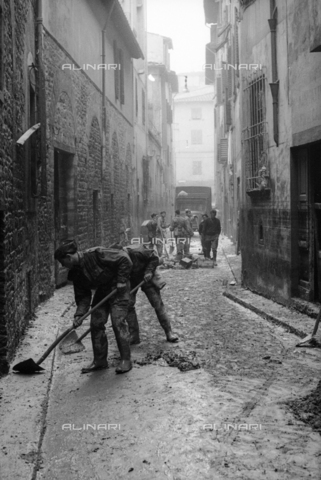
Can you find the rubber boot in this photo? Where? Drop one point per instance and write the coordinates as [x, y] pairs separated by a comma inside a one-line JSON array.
[[133, 327], [100, 349], [125, 356], [214, 258], [166, 325]]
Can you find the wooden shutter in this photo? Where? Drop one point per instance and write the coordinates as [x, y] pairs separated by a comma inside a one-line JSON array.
[[116, 71], [121, 77]]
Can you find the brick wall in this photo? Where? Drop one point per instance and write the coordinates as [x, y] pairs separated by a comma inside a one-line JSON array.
[[27, 227]]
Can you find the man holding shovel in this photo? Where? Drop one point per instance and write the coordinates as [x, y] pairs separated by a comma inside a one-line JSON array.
[[145, 262], [101, 269]]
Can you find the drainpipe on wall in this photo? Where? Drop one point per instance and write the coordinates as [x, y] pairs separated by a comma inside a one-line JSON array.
[[274, 85], [41, 98], [103, 80]]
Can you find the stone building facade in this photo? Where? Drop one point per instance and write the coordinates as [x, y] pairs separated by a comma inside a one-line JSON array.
[[279, 111], [75, 176], [193, 137], [159, 175]]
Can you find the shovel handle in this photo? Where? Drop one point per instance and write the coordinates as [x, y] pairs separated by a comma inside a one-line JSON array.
[[316, 326], [66, 332], [88, 330]]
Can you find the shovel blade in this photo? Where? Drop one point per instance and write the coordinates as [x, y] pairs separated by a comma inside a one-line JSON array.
[[70, 344], [28, 366], [309, 340]]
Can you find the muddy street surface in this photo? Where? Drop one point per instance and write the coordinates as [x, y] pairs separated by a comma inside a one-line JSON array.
[[213, 406]]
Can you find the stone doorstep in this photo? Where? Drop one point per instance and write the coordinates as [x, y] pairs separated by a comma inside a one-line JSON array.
[[24, 398]]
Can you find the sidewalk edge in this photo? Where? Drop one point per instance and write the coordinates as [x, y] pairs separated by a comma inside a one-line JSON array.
[[266, 316]]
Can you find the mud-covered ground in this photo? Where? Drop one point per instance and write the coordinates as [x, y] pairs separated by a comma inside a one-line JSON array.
[[308, 408], [214, 406]]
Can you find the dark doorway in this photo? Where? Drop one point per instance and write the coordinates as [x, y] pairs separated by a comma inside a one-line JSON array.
[[308, 198], [64, 205]]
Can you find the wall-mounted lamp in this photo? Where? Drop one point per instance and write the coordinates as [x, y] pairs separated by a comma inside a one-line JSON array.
[[151, 78]]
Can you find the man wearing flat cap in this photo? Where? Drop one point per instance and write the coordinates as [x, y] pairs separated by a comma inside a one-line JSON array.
[[102, 269]]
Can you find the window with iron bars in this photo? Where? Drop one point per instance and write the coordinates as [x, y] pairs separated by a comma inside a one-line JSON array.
[[254, 132]]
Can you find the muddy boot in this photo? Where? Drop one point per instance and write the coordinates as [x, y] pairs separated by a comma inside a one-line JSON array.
[[214, 259], [166, 325], [133, 328], [93, 367], [124, 350], [100, 349]]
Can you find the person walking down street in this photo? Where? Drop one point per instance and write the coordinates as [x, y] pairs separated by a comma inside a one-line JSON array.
[[211, 231], [161, 232], [102, 269], [152, 230], [190, 233], [200, 231], [145, 262], [181, 230]]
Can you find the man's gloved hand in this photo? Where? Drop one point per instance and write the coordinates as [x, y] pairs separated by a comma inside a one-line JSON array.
[[77, 321], [121, 287], [148, 276]]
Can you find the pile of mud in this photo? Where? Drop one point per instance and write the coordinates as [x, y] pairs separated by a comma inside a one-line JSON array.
[[308, 409], [184, 361]]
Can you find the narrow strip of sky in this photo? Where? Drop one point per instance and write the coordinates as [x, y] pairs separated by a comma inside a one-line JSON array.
[[184, 22]]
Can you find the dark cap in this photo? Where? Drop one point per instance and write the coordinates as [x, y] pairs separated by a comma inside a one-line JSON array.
[[68, 247]]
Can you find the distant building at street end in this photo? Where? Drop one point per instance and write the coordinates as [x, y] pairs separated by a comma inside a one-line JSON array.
[[193, 137]]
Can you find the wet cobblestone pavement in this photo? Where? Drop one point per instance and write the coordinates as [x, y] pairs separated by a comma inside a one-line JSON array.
[[212, 406]]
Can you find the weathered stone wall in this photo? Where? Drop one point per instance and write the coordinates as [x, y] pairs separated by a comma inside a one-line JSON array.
[[73, 125], [21, 225]]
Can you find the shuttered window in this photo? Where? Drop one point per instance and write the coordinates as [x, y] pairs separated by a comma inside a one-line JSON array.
[[121, 76], [222, 151], [219, 90], [116, 71]]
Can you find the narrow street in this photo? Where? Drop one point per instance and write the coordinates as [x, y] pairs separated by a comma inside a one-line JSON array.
[[219, 413]]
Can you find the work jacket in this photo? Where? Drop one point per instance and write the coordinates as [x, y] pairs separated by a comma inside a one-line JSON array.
[[144, 261], [98, 267], [211, 227], [201, 227], [152, 228], [190, 232], [181, 227]]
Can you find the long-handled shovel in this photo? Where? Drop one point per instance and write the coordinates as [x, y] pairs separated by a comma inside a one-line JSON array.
[[30, 366], [73, 347], [310, 340]]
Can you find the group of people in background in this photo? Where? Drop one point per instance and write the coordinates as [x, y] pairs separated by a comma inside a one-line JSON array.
[[182, 228]]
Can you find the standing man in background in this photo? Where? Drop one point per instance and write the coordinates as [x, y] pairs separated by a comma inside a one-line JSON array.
[[152, 229], [211, 232], [161, 232], [200, 231], [190, 233], [181, 230]]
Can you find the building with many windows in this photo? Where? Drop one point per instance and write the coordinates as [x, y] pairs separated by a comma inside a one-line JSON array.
[[193, 137]]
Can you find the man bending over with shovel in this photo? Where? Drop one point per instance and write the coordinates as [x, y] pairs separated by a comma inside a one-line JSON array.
[[102, 269], [145, 262]]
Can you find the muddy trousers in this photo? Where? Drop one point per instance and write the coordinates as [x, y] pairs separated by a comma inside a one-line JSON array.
[[211, 243], [182, 245], [117, 307], [155, 299]]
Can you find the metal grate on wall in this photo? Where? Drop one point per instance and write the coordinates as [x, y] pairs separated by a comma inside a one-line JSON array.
[[254, 131]]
